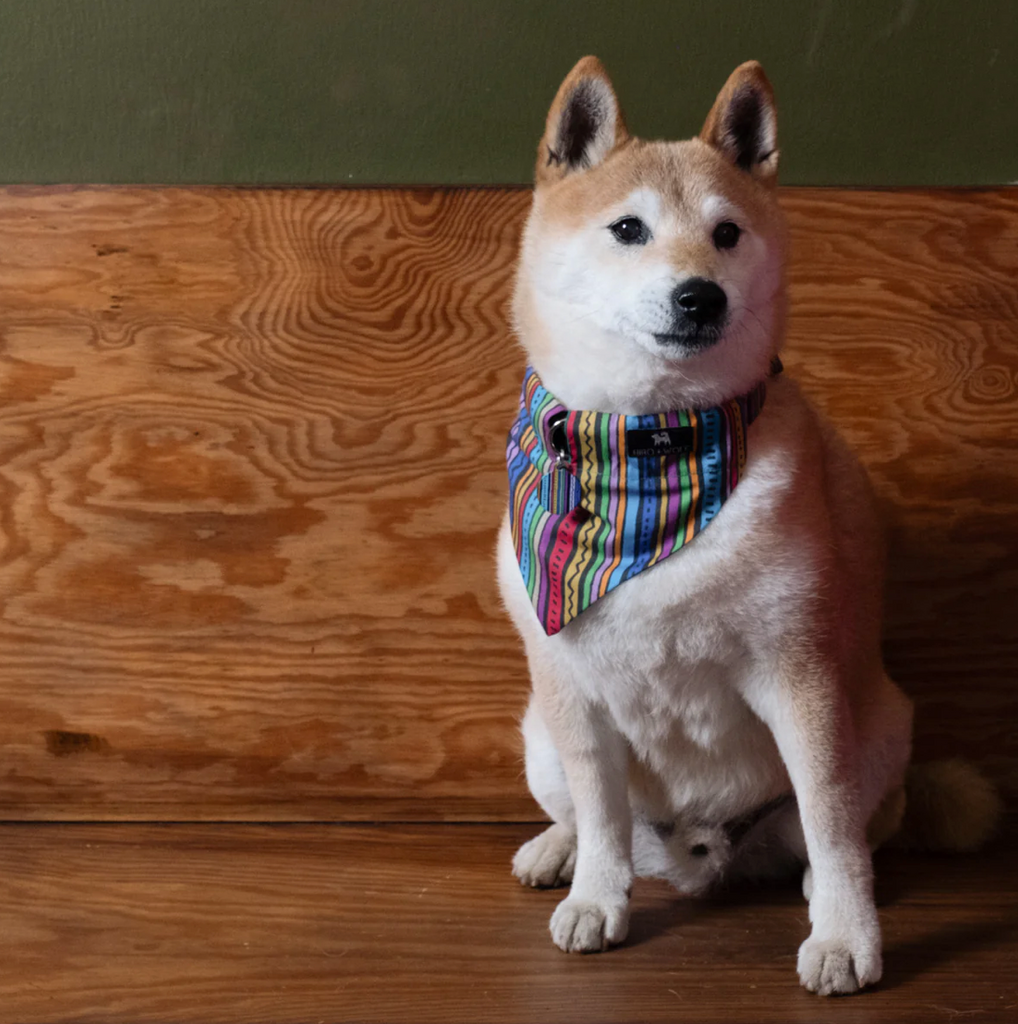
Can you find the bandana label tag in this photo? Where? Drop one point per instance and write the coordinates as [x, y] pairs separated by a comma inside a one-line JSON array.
[[659, 442]]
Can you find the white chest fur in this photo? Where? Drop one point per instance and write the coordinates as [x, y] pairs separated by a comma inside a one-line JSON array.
[[665, 653]]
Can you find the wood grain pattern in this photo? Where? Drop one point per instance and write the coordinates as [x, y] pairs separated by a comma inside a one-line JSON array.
[[283, 924], [251, 470], [904, 329]]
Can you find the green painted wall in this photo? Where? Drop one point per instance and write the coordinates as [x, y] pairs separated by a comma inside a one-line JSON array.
[[870, 92]]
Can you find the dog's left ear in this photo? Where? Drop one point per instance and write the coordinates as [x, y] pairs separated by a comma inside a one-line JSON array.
[[743, 123], [584, 124]]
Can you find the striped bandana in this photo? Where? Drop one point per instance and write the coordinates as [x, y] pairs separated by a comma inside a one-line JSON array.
[[596, 498]]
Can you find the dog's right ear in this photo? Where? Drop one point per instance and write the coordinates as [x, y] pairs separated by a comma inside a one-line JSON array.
[[584, 124], [743, 125]]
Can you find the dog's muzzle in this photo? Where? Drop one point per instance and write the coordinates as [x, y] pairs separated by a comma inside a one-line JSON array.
[[699, 313]]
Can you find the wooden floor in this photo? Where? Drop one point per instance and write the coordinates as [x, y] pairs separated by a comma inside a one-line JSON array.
[[209, 923], [251, 469]]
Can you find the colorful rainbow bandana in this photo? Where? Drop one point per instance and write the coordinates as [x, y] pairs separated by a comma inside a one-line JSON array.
[[595, 498]]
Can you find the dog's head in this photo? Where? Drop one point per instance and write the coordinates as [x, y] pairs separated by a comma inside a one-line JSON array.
[[652, 273]]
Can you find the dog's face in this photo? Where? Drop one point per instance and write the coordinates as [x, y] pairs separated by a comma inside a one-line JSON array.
[[652, 273]]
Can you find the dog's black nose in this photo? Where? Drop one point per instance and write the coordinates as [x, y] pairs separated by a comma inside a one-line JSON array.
[[700, 300]]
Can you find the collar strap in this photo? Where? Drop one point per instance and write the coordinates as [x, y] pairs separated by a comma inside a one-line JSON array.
[[567, 435]]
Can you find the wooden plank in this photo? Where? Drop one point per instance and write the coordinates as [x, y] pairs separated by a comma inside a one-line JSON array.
[[222, 923], [904, 329], [251, 470]]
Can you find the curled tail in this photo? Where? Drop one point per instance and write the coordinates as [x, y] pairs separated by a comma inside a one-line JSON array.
[[949, 806]]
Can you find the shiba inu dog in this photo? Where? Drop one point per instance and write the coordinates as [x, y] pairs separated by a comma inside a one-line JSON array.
[[691, 554]]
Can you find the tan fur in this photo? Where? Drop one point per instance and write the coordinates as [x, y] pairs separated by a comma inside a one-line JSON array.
[[950, 807], [589, 69], [748, 76], [748, 663]]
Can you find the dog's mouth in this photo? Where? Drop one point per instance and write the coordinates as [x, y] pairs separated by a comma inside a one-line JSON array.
[[692, 338]]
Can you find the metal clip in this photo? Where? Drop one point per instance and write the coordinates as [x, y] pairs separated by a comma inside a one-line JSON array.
[[558, 440]]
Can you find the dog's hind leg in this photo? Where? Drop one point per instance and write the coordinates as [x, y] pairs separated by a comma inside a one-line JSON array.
[[547, 860]]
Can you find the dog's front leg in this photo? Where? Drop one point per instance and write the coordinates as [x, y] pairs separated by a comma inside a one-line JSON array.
[[595, 914], [812, 723]]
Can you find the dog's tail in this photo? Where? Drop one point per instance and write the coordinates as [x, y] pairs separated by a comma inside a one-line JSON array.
[[949, 806]]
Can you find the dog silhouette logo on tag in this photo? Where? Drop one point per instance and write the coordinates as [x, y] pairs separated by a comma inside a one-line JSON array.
[[660, 441]]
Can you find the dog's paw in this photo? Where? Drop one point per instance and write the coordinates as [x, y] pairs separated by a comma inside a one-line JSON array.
[[832, 967], [548, 859], [589, 926]]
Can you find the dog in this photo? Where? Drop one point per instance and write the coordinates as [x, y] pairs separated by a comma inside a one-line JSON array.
[[691, 554]]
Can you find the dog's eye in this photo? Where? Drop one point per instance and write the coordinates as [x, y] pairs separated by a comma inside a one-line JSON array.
[[631, 231], [726, 235]]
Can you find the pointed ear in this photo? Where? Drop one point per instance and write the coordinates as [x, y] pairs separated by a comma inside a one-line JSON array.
[[743, 123], [584, 124]]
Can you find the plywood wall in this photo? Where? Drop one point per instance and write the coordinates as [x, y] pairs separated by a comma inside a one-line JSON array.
[[251, 471]]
